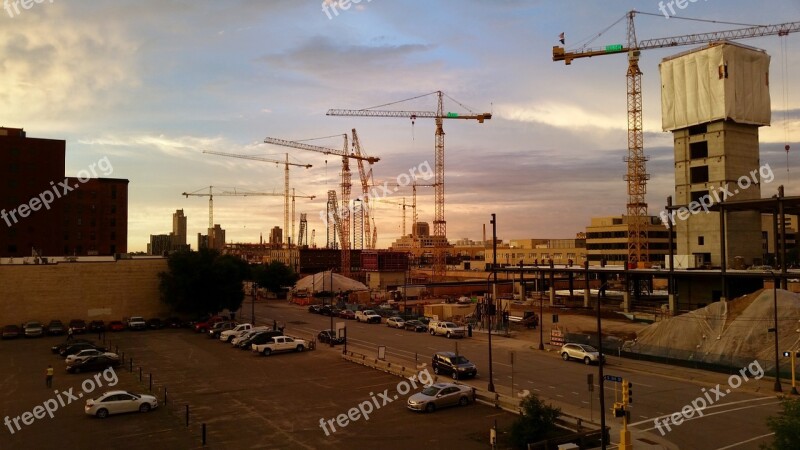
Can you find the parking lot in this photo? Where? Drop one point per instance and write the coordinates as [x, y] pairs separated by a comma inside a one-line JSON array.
[[245, 400]]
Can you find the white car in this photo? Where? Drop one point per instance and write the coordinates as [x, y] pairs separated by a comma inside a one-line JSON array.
[[368, 316], [583, 352], [280, 344], [228, 335], [440, 395], [246, 334], [396, 322], [116, 402], [86, 354]]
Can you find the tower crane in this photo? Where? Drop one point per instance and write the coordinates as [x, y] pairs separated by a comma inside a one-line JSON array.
[[293, 196], [344, 218], [366, 183], [403, 204], [636, 160], [285, 181], [234, 193], [439, 224]]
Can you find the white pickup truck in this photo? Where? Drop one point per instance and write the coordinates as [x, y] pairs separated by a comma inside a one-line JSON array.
[[368, 316], [280, 344], [228, 335], [447, 329]]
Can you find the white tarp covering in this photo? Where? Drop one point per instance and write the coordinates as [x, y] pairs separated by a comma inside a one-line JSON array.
[[721, 82], [322, 282]]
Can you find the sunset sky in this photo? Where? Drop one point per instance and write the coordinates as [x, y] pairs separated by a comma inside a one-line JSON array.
[[152, 84]]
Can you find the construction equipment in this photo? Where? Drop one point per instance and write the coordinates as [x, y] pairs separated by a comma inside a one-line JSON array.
[[293, 196], [302, 238], [636, 161], [439, 224], [404, 205], [366, 184], [236, 193], [285, 181], [345, 186]]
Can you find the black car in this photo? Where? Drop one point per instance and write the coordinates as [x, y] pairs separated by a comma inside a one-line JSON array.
[[258, 339], [60, 347], [93, 364], [454, 365], [78, 326], [97, 326], [315, 309], [415, 325], [55, 328], [173, 322], [75, 348], [155, 323], [329, 336], [11, 332]]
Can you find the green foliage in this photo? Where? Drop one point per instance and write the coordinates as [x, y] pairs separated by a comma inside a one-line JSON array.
[[274, 276], [203, 282], [786, 426], [536, 422]]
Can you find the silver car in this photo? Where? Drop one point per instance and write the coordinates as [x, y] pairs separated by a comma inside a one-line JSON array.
[[583, 352], [440, 395]]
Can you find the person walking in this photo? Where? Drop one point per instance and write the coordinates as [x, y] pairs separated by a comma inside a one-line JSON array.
[[49, 376], [69, 334]]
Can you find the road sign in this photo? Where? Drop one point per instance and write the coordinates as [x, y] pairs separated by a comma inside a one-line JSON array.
[[613, 378]]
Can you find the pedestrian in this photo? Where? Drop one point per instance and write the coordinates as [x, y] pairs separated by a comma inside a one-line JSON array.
[[281, 328], [49, 376], [469, 330], [274, 324], [69, 334]]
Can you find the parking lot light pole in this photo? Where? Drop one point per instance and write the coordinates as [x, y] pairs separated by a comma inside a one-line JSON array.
[[777, 387], [490, 310], [600, 365]]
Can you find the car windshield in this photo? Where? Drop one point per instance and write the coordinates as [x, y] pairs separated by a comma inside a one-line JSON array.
[[431, 391], [460, 360]]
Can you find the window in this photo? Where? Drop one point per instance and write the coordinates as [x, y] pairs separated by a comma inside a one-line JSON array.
[[698, 195], [698, 129], [698, 174], [700, 240], [698, 150]]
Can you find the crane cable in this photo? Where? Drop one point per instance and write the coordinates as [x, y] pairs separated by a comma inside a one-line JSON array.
[[785, 98]]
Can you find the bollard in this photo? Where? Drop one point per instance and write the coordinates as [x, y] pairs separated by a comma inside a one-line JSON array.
[[151, 381], [187, 415], [140, 374], [130, 368], [204, 435], [165, 395], [123, 357]]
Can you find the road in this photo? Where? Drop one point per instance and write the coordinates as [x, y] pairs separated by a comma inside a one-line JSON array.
[[730, 416]]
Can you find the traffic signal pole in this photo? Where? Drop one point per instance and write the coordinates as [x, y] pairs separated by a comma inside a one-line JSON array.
[[625, 434]]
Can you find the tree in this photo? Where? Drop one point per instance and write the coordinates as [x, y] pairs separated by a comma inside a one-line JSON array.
[[203, 282], [274, 276], [786, 426], [536, 422]]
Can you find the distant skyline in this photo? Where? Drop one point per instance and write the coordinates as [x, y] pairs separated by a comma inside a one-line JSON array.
[[151, 85]]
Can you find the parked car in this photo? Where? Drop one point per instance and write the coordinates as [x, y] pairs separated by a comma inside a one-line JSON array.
[[440, 395], [257, 338], [78, 326], [155, 323], [55, 328], [137, 323], [60, 347], [73, 348], [204, 326], [250, 333], [280, 344], [457, 366], [219, 327], [329, 336], [415, 325], [96, 326], [174, 322], [447, 329], [11, 332], [314, 308], [347, 314], [116, 325], [93, 364], [395, 322], [583, 352], [368, 316], [228, 335], [32, 329], [85, 354], [116, 402]]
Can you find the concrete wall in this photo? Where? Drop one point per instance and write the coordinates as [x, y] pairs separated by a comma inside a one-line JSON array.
[[90, 291]]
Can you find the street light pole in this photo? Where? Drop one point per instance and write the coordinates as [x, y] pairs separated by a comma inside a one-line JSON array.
[[600, 365], [492, 309], [253, 304], [777, 387]]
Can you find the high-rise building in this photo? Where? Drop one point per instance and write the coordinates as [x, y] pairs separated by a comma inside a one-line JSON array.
[[276, 236], [216, 238], [713, 101], [46, 213], [178, 228]]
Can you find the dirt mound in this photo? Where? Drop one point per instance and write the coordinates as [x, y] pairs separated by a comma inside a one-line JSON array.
[[728, 333]]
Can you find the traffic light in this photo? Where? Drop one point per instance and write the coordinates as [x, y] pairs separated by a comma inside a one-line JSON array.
[[619, 410], [627, 393]]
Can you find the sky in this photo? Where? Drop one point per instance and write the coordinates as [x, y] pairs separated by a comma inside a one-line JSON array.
[[151, 85]]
